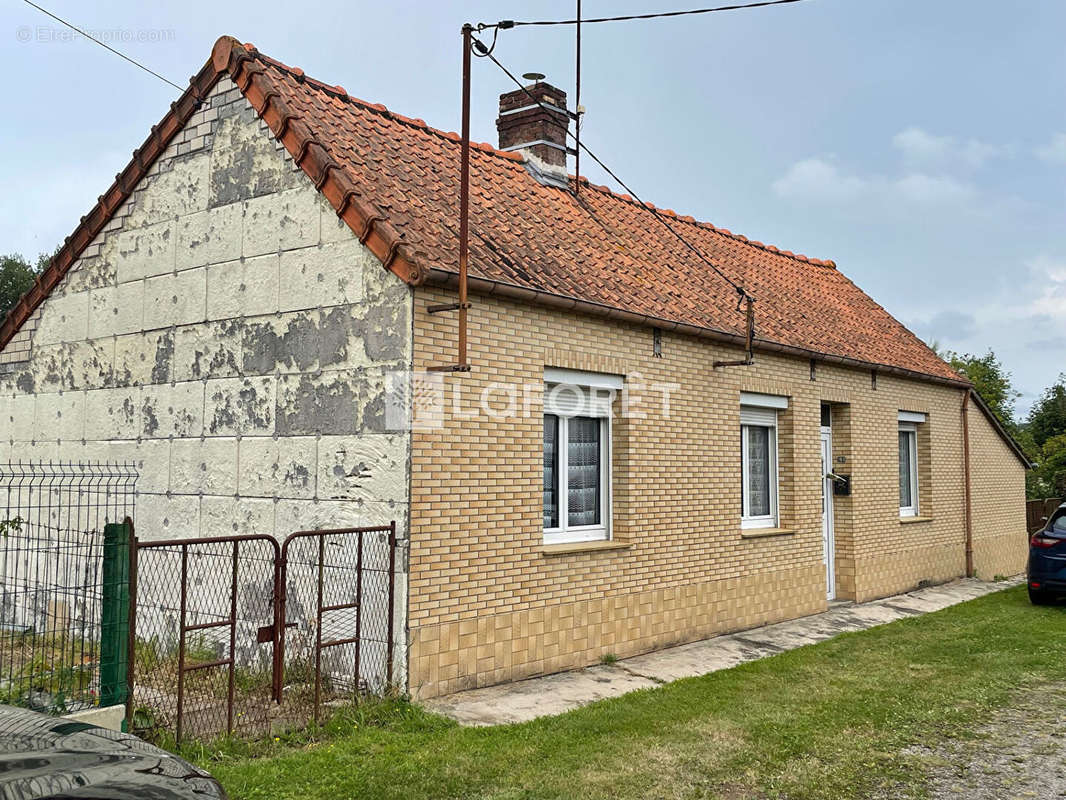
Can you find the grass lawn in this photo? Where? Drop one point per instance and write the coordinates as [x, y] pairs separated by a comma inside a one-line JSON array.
[[826, 721]]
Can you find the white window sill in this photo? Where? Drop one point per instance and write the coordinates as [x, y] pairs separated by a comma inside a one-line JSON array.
[[760, 533], [591, 533], [583, 547], [767, 523]]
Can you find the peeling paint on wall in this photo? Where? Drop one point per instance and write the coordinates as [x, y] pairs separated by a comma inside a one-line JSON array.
[[230, 336]]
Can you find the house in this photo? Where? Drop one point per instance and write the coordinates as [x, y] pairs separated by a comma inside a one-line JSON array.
[[233, 312]]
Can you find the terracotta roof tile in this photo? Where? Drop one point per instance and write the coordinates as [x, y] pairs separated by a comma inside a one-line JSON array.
[[395, 182]]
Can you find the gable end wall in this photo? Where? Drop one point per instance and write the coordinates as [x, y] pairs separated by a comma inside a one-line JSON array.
[[232, 337]]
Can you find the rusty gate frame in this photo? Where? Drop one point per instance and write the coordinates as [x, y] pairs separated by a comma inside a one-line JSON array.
[[273, 632], [281, 608], [184, 629]]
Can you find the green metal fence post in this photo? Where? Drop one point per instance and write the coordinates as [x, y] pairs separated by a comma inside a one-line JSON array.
[[115, 616]]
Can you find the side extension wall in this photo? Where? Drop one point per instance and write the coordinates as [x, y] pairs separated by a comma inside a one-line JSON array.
[[997, 480]]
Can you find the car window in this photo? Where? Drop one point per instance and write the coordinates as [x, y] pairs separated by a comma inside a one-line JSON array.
[[1058, 523]]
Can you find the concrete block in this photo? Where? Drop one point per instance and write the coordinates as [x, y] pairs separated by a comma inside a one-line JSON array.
[[90, 272], [281, 221], [114, 450], [107, 717], [152, 457], [143, 358], [116, 310], [91, 364], [362, 469], [182, 189], [60, 416], [163, 517], [240, 406], [204, 466], [179, 299], [283, 467], [247, 288], [207, 350], [308, 515], [36, 451], [230, 516], [64, 318], [245, 162], [21, 411], [387, 328], [304, 341], [209, 237], [294, 515], [344, 402], [112, 414], [48, 371], [327, 275], [172, 410], [334, 229], [142, 252]]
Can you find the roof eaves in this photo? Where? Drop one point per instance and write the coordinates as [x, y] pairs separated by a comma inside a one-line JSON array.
[[246, 67], [525, 294], [1010, 441]]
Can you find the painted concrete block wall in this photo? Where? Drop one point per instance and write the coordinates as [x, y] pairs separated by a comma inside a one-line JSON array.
[[229, 334], [489, 603]]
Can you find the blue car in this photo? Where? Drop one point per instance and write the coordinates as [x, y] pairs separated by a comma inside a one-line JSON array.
[[1047, 559]]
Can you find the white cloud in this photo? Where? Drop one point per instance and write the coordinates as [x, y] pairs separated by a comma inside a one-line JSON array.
[[1048, 286], [920, 147], [932, 190], [1054, 152], [815, 179]]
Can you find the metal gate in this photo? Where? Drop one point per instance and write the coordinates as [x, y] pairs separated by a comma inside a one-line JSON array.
[[338, 603], [241, 635]]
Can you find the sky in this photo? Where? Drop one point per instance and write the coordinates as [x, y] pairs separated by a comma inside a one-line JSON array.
[[920, 145]]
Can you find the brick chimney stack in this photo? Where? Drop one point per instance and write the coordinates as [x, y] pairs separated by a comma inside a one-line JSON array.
[[524, 125]]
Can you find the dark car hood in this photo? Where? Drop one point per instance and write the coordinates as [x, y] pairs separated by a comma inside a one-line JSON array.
[[46, 757]]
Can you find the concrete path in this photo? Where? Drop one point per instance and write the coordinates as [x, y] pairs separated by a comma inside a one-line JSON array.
[[554, 694]]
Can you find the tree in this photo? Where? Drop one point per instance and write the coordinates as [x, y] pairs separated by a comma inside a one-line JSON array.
[[16, 277], [1048, 417], [992, 382], [1048, 479], [1046, 429]]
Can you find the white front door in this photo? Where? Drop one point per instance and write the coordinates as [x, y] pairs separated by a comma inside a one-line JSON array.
[[828, 547]]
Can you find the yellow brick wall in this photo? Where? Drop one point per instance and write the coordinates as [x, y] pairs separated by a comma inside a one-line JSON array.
[[488, 604], [997, 481]]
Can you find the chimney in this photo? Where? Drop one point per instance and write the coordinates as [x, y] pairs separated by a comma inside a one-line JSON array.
[[536, 130]]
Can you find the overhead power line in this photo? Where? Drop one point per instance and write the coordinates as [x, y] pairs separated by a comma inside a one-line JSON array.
[[510, 23], [485, 52], [92, 38]]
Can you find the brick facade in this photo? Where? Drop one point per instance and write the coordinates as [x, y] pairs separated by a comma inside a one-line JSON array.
[[231, 336], [997, 481], [488, 602]]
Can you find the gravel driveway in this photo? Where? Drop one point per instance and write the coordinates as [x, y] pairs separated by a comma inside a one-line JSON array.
[[1020, 753]]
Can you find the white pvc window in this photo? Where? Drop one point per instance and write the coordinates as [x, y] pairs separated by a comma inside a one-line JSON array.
[[908, 469], [758, 467], [577, 457]]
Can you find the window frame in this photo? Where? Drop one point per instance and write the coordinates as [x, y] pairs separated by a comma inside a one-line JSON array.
[[761, 417], [593, 397], [910, 430]]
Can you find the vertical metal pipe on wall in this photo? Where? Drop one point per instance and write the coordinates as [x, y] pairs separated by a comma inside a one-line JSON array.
[[464, 197], [966, 481]]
